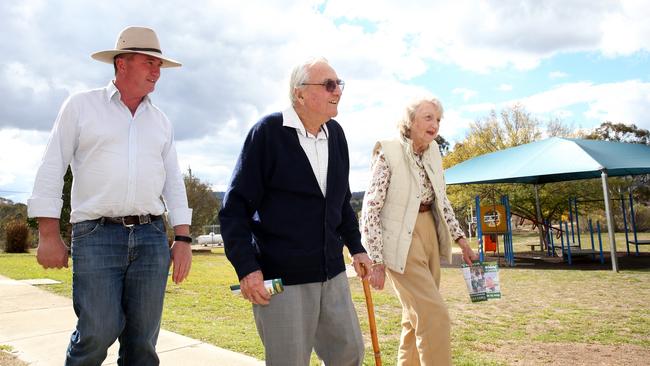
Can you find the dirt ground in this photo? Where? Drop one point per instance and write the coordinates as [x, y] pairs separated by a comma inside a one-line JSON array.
[[546, 298], [574, 354]]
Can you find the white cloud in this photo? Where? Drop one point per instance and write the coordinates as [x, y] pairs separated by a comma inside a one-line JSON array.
[[20, 156], [626, 31], [627, 101], [454, 125], [479, 107], [481, 36], [466, 93], [557, 74], [504, 87], [236, 61]]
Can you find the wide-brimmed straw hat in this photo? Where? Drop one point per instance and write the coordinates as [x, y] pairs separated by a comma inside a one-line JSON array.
[[136, 40]]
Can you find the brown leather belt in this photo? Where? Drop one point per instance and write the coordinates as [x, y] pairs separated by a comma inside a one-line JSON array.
[[424, 208], [132, 220]]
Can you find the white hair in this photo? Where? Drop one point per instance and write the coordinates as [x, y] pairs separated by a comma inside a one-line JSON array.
[[300, 75], [404, 124]]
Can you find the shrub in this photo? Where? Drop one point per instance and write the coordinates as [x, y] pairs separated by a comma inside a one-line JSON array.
[[17, 235]]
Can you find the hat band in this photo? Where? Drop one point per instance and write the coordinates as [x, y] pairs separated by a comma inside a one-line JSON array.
[[142, 49]]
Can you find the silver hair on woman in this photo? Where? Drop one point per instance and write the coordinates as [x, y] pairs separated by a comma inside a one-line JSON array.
[[404, 124], [300, 74]]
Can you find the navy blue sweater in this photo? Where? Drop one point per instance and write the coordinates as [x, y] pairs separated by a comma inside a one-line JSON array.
[[274, 216]]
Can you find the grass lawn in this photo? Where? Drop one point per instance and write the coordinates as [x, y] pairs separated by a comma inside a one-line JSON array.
[[551, 316]]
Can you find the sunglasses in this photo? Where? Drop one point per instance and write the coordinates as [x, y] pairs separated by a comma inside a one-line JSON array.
[[329, 84]]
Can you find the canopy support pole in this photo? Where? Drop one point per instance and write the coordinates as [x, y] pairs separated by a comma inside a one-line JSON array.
[[610, 221], [540, 223]]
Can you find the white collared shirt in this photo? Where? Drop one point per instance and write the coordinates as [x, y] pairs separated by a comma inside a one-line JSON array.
[[315, 147], [122, 163]]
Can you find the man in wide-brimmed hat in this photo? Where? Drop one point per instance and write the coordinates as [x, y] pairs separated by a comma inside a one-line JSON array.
[[121, 150]]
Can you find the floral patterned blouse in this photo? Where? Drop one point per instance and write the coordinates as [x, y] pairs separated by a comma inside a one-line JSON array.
[[376, 196]]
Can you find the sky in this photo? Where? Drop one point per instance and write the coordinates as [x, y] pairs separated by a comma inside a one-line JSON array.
[[583, 62]]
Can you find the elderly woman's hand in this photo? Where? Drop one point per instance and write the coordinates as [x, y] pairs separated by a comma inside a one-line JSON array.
[[468, 254], [378, 276]]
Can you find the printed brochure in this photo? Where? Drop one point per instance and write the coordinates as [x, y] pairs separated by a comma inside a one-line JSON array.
[[482, 280]]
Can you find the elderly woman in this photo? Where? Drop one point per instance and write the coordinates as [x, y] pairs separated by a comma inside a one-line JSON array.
[[407, 226]]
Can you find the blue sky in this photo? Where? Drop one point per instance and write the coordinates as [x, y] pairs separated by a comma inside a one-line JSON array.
[[582, 61], [505, 85]]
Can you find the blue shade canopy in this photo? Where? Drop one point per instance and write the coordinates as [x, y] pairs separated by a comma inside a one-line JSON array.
[[555, 159]]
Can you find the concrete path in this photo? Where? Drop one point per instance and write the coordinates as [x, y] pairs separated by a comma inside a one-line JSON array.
[[37, 325]]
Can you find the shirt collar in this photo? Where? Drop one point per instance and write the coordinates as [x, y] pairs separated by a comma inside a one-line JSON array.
[[113, 92], [290, 119]]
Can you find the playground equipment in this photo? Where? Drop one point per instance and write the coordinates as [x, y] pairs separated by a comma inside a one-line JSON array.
[[571, 249], [636, 242], [495, 219]]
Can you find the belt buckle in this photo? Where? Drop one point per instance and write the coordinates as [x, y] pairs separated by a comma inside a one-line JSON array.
[[144, 219], [125, 224]]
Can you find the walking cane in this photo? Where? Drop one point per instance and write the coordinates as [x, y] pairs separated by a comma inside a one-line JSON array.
[[371, 320]]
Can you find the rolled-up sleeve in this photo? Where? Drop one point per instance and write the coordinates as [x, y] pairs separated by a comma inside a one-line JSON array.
[[174, 192], [46, 200]]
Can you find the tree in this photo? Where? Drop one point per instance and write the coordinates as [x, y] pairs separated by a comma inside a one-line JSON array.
[[443, 145], [203, 202], [629, 133], [610, 131], [64, 221], [514, 126]]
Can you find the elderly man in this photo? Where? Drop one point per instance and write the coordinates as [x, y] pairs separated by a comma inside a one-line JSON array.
[[287, 215], [121, 150]]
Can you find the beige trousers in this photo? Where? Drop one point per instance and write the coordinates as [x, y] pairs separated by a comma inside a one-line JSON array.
[[426, 328]]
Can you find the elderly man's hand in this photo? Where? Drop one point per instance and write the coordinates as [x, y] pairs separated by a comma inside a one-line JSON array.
[[362, 265], [252, 288]]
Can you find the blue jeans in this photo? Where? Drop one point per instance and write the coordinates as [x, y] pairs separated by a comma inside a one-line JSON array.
[[118, 284]]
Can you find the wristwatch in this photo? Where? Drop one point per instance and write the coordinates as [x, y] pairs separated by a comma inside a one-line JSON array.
[[183, 238]]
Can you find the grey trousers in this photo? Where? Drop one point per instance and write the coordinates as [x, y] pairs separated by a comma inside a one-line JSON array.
[[318, 316]]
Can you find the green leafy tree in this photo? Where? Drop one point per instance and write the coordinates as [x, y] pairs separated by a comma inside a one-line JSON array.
[[628, 133], [610, 131], [510, 127], [443, 145], [64, 222], [203, 202]]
